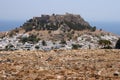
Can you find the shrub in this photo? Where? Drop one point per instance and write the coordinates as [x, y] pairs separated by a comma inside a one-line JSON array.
[[9, 47], [11, 34], [63, 42], [77, 26], [31, 38], [24, 39], [105, 43], [28, 28], [37, 47], [107, 47], [76, 46], [49, 32], [117, 46], [93, 28], [16, 30]]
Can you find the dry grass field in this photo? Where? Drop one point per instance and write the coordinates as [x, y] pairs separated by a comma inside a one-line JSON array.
[[60, 65]]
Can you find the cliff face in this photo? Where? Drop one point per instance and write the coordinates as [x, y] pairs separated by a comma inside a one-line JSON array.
[[54, 22]]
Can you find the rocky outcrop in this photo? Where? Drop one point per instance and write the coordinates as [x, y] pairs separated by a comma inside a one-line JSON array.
[[54, 22]]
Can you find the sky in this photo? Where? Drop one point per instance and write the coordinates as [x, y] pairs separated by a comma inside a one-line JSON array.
[[91, 10], [103, 14]]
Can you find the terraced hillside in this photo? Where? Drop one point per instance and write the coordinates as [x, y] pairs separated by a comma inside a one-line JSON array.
[[60, 65]]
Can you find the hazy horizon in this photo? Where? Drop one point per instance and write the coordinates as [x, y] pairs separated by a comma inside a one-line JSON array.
[[105, 11], [106, 26], [91, 10]]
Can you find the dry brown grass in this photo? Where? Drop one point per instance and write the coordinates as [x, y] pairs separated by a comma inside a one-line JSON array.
[[62, 65]]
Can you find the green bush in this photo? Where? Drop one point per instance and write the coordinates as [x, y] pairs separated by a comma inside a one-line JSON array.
[[9, 47], [117, 46], [28, 28], [44, 43], [63, 42], [93, 29], [105, 43], [76, 46], [31, 38], [37, 47]]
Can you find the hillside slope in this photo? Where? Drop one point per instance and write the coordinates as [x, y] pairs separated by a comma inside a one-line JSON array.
[[55, 27]]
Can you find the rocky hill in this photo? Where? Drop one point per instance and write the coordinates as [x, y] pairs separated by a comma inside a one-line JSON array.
[[55, 27], [54, 22], [50, 32]]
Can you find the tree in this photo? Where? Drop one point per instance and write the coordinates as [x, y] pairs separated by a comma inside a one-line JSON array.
[[44, 43], [94, 29], [117, 46]]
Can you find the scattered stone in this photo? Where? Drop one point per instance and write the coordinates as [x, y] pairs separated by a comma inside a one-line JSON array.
[[49, 59], [116, 73], [69, 64]]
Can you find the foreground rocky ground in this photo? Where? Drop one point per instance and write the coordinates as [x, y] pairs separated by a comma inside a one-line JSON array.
[[60, 65]]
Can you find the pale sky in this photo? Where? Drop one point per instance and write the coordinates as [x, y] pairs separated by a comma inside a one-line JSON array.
[[90, 10]]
